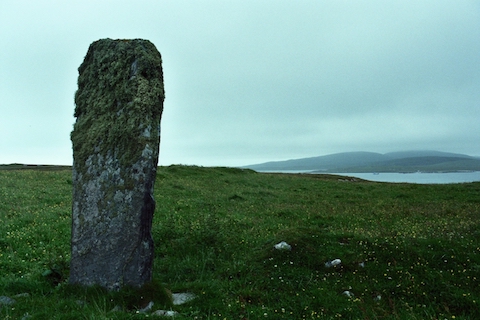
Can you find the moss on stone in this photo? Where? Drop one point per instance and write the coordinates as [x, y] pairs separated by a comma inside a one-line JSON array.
[[120, 85]]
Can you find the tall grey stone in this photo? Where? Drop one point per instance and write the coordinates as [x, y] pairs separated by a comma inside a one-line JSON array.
[[116, 137]]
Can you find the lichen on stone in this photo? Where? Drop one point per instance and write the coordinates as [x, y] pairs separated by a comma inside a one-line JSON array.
[[118, 83]]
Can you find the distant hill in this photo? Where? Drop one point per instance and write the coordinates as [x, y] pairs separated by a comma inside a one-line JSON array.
[[21, 166], [404, 161]]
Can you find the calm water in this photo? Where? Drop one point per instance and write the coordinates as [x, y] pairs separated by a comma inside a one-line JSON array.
[[417, 177]]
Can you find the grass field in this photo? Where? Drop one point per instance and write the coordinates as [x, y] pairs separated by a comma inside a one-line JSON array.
[[408, 251]]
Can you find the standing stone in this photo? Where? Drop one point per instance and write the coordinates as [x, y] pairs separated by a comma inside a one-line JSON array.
[[116, 136]]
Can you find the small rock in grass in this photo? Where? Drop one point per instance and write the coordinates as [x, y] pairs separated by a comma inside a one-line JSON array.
[[333, 263], [282, 246], [147, 308], [348, 293], [26, 316], [6, 301], [165, 313], [181, 298]]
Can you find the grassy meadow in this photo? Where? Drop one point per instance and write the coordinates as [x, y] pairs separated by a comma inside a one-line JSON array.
[[408, 251]]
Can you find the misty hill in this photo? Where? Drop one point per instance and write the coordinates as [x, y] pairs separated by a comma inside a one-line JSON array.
[[404, 161]]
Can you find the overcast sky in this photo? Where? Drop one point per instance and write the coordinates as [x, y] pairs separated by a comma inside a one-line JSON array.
[[253, 81]]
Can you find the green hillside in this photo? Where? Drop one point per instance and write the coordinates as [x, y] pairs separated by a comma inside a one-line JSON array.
[[407, 161], [407, 251]]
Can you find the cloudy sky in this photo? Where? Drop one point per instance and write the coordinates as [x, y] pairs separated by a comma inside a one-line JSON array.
[[252, 81]]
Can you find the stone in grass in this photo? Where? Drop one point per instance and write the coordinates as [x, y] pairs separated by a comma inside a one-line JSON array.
[[6, 301], [282, 246], [165, 313], [147, 308], [348, 294], [332, 263], [116, 136], [181, 298]]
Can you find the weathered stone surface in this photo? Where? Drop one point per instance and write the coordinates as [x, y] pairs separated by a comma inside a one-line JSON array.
[[116, 136]]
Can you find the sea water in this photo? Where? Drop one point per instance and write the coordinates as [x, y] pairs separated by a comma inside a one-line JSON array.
[[415, 177], [418, 177]]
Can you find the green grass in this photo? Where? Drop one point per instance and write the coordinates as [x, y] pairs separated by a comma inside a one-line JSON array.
[[214, 231]]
